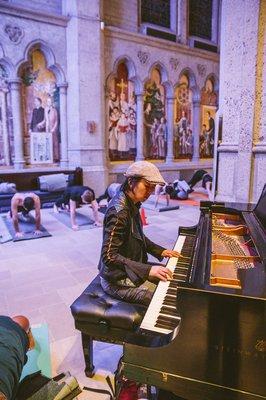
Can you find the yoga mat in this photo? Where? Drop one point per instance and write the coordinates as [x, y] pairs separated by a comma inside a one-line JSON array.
[[83, 221], [39, 358], [169, 208], [27, 226]]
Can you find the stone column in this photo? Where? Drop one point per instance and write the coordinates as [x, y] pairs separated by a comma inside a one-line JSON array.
[[3, 93], [140, 128], [215, 20], [63, 124], [196, 129], [182, 21], [170, 129], [15, 89]]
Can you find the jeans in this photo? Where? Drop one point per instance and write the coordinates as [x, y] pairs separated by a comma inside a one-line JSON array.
[[126, 290]]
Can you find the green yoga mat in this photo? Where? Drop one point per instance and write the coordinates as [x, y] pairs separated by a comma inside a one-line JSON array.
[[27, 226], [39, 357], [83, 221]]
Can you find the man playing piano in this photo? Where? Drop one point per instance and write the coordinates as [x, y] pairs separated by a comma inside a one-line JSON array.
[[124, 268]]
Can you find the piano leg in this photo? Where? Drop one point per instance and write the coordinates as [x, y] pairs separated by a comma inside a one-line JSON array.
[[87, 345]]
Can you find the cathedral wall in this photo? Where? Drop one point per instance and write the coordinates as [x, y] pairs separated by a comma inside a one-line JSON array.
[[46, 6], [122, 14]]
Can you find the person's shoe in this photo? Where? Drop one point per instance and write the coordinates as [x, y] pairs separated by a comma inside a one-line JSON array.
[[142, 392], [55, 209], [24, 218]]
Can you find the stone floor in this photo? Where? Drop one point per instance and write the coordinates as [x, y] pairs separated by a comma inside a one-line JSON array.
[[41, 278]]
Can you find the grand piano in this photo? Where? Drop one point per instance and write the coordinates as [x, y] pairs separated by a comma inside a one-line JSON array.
[[203, 335]]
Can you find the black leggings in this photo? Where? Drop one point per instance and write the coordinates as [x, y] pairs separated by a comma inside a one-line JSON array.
[[197, 177]]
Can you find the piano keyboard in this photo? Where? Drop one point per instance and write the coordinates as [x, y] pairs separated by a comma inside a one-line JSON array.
[[161, 315]]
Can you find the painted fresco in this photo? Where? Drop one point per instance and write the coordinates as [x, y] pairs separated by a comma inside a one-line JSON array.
[[6, 123], [122, 117], [40, 102], [208, 110], [183, 135], [155, 127]]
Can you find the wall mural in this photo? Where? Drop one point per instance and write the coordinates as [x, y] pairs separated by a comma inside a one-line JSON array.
[[208, 110], [6, 122], [155, 128], [122, 117], [183, 135], [40, 103]]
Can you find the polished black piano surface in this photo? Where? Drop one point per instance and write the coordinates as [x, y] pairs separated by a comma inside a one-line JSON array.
[[203, 337]]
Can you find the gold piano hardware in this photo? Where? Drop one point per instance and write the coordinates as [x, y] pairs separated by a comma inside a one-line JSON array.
[[165, 377], [233, 257], [261, 346]]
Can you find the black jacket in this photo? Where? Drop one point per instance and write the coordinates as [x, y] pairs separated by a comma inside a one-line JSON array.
[[125, 247]]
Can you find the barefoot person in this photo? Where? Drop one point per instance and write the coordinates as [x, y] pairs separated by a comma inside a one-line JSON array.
[[75, 196], [23, 203], [15, 340], [124, 268]]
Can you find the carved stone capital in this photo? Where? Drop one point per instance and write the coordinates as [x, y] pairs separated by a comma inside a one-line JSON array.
[[201, 69], [143, 57], [14, 33], [174, 63]]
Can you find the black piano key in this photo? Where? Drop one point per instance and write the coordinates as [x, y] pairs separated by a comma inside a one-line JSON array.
[[171, 291], [165, 326], [180, 271], [169, 303], [168, 311], [169, 323]]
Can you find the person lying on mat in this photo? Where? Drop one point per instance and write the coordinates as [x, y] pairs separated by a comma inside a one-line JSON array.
[[124, 268], [15, 340], [205, 178], [178, 190], [23, 203], [74, 197]]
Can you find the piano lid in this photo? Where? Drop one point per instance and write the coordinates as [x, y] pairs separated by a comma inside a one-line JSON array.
[[260, 208]]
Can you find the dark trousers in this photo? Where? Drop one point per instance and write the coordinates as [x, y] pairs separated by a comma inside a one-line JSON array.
[[197, 177], [104, 196], [131, 294]]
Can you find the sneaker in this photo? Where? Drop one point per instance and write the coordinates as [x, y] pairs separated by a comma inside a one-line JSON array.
[[142, 392], [55, 209]]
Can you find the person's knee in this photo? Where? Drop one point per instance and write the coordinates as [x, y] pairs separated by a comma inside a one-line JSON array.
[[22, 321]]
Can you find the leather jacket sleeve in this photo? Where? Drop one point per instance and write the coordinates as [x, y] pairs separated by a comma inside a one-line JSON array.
[[115, 232], [154, 249]]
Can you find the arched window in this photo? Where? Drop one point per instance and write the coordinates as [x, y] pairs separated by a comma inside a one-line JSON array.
[[122, 117], [183, 136], [155, 128], [40, 105], [208, 110]]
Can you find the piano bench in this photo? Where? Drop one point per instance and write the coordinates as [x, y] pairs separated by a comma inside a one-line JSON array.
[[101, 317]]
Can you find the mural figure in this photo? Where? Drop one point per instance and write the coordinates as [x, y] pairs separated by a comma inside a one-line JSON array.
[[40, 107], [37, 120], [209, 106], [183, 135], [51, 125], [122, 124], [154, 118]]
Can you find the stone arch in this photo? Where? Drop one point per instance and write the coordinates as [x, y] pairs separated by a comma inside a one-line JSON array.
[[129, 64], [215, 81], [163, 71], [48, 53], [8, 67], [192, 82]]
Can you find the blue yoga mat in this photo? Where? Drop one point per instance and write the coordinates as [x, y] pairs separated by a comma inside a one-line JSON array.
[[27, 226], [39, 358], [83, 221]]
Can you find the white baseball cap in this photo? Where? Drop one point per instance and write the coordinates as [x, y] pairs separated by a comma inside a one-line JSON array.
[[147, 171]]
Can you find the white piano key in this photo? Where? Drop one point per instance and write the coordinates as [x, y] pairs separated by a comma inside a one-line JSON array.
[[150, 318]]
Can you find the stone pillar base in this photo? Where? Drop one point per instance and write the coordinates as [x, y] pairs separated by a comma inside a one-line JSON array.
[[19, 164]]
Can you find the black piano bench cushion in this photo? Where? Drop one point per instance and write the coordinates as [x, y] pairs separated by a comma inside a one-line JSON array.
[[94, 306]]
